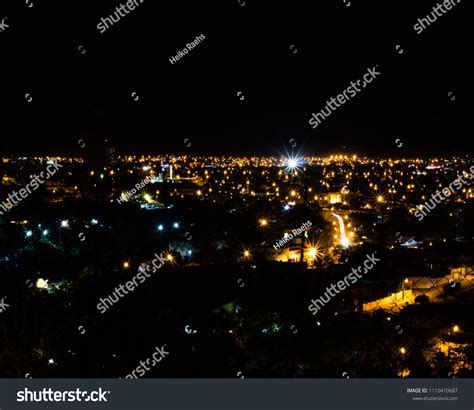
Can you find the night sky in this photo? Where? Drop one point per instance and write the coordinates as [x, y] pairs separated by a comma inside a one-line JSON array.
[[246, 49]]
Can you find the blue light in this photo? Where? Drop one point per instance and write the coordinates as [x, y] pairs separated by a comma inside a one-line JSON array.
[[293, 164], [160, 227], [287, 207], [176, 225], [94, 221], [190, 252], [45, 232], [28, 234]]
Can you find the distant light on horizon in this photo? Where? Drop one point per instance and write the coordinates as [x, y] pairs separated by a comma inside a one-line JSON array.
[[292, 163]]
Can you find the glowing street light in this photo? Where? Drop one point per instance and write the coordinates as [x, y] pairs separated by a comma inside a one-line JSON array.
[[29, 234], [380, 198], [42, 284], [160, 227], [292, 163], [126, 265], [263, 222], [403, 350], [65, 224], [45, 232], [176, 225], [247, 254], [456, 329], [170, 257]]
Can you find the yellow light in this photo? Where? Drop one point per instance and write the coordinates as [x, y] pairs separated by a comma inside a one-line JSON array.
[[293, 193], [126, 265], [380, 198], [198, 192], [263, 222], [403, 350], [170, 257], [292, 256], [42, 284], [313, 252], [456, 328]]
